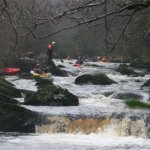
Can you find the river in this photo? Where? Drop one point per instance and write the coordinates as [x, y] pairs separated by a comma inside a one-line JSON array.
[[100, 122]]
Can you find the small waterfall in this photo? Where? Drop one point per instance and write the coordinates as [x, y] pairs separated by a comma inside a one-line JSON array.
[[126, 126]]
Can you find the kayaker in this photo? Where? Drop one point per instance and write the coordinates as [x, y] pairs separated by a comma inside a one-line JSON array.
[[79, 61], [50, 52], [37, 69]]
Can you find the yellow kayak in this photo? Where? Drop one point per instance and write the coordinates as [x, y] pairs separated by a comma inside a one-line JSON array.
[[43, 75]]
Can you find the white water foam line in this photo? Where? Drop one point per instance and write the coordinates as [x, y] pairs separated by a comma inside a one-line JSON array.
[[22, 83], [80, 140]]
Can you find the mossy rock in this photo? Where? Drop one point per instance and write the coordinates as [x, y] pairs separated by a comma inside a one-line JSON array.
[[43, 82], [7, 99], [54, 70], [7, 89], [51, 95], [100, 79], [14, 118], [124, 70], [126, 96], [141, 63], [147, 83]]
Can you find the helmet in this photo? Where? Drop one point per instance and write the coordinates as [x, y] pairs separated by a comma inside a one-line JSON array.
[[53, 42]]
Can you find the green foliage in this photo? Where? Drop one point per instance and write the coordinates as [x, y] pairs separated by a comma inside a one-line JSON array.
[[137, 104]]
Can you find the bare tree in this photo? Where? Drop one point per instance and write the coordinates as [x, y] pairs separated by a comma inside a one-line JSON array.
[[45, 19]]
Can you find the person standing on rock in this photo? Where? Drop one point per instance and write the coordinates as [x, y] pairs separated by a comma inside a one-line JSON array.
[[50, 52]]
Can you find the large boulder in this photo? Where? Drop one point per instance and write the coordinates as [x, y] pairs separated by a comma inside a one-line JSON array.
[[14, 118], [51, 95], [141, 63], [7, 99], [125, 70], [26, 64], [8, 89], [55, 70], [100, 78]]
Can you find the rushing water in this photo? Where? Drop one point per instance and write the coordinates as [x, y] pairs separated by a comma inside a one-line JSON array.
[[95, 124]]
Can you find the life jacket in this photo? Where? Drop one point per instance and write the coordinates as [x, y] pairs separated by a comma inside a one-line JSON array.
[[50, 48]]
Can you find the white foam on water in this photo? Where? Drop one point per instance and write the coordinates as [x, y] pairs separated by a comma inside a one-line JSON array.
[[73, 141], [92, 103], [22, 83]]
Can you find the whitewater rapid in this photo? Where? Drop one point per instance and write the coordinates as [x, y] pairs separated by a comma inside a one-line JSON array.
[[93, 103]]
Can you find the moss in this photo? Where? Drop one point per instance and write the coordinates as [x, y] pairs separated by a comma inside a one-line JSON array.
[[43, 82], [101, 79], [51, 95], [137, 104], [7, 99], [5, 81], [123, 69], [7, 89], [14, 118]]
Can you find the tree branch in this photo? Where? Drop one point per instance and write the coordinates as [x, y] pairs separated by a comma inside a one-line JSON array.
[[123, 31]]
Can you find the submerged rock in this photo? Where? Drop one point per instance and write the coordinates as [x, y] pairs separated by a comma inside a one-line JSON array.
[[51, 95], [126, 96], [101, 79], [147, 83], [14, 118]]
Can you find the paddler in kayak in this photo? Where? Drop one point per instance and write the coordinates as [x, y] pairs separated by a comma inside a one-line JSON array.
[[37, 69], [79, 61]]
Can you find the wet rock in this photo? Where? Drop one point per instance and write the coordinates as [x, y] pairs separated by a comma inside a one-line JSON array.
[[7, 99], [101, 79], [60, 66], [141, 63], [8, 89], [147, 83], [108, 93], [43, 82], [123, 69], [57, 72], [126, 96], [26, 64], [137, 80], [54, 125], [93, 65], [51, 95], [14, 118]]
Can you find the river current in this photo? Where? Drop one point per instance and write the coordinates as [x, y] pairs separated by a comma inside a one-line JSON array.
[[94, 104]]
